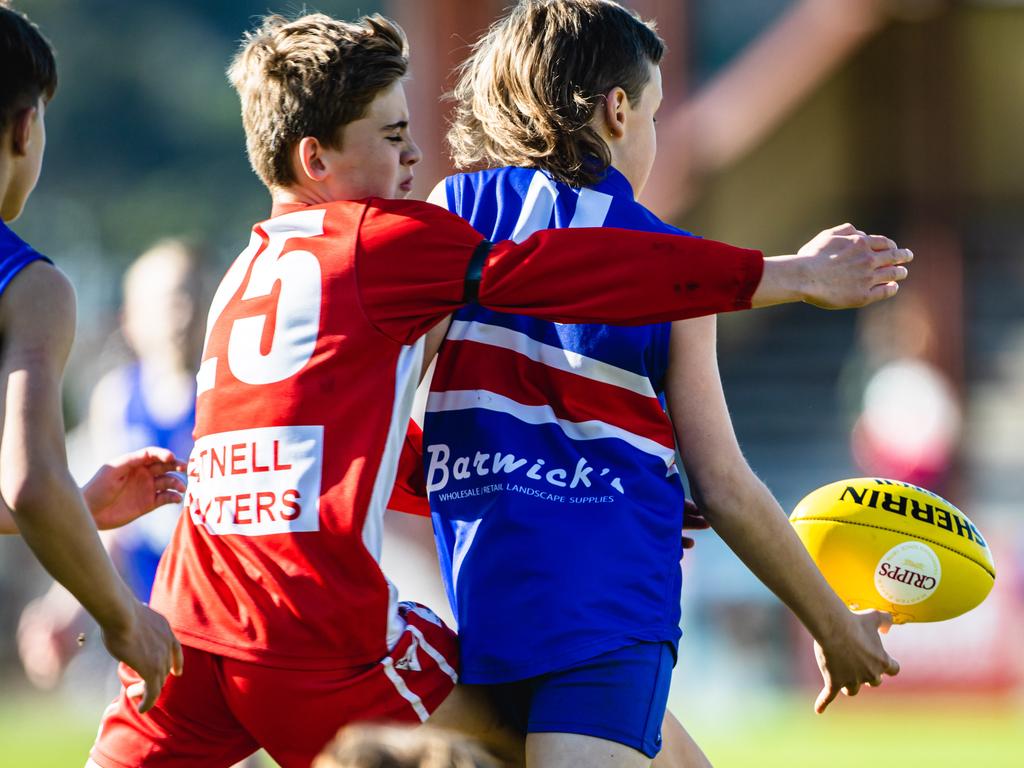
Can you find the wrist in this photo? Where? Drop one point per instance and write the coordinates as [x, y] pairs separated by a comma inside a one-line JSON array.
[[784, 281], [835, 625], [118, 617]]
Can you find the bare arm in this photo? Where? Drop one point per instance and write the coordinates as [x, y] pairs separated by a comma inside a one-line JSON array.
[[37, 315], [750, 521]]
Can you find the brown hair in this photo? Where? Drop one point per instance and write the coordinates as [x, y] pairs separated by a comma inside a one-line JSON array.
[[27, 63], [527, 93], [310, 77], [392, 746]]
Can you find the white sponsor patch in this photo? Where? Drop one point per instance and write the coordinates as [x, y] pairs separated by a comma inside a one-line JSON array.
[[908, 573], [256, 482]]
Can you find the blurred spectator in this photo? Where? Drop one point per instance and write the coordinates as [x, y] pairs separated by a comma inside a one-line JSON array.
[[908, 418], [384, 746], [148, 401]]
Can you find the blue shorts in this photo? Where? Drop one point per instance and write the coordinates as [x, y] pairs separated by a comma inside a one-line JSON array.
[[620, 696]]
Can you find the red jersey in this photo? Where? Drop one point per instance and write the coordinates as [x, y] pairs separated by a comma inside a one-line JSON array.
[[314, 347]]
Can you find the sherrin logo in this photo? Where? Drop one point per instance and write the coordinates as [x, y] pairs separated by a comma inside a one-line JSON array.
[[908, 573]]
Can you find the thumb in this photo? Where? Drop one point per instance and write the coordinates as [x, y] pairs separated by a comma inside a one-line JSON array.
[[884, 620]]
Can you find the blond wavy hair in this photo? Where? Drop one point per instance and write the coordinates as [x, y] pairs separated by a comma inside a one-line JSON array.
[[310, 76], [527, 93]]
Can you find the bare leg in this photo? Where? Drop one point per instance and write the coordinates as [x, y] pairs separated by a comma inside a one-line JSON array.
[[470, 711], [571, 750], [678, 749]]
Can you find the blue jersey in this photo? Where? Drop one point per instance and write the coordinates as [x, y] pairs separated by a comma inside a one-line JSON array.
[[15, 255], [142, 544], [549, 458]]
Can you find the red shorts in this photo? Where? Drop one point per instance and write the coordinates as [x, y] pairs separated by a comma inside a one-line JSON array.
[[222, 710]]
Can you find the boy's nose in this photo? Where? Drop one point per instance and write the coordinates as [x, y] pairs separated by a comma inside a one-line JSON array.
[[412, 154]]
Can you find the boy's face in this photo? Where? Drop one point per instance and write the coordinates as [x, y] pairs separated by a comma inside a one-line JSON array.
[[25, 140], [633, 152], [377, 152]]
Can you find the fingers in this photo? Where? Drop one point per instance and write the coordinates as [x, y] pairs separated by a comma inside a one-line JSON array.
[[883, 621], [170, 481], [695, 523], [851, 690], [688, 543], [892, 667], [881, 243], [882, 292], [826, 697], [177, 659], [843, 229], [891, 274], [145, 690], [166, 497], [885, 258]]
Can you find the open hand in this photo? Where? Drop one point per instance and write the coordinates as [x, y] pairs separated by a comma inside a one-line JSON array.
[[854, 657], [132, 485]]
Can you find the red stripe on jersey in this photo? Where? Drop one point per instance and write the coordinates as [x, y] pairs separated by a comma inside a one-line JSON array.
[[572, 397]]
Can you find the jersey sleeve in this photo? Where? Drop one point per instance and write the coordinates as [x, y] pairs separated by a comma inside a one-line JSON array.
[[410, 492], [412, 261]]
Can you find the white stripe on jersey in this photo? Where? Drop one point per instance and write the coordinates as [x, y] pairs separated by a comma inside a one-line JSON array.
[[396, 679], [407, 371], [435, 654], [591, 208], [468, 399], [537, 207], [551, 356]]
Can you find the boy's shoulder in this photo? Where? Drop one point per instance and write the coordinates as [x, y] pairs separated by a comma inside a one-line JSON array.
[[15, 255], [485, 195]]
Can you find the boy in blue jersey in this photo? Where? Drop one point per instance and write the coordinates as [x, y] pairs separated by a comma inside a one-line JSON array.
[[38, 497], [550, 460]]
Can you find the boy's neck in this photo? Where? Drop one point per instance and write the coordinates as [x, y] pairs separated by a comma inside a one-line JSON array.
[[6, 172]]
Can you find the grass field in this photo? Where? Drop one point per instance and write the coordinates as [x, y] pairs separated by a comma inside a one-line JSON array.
[[38, 732]]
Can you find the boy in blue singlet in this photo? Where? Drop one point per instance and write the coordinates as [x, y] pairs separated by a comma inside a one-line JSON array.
[[38, 497], [549, 457]]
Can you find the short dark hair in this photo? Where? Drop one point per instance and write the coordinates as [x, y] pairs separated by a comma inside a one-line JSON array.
[[27, 63], [527, 93], [310, 77]]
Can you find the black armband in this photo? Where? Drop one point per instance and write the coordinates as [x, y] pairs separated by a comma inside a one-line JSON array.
[[475, 272]]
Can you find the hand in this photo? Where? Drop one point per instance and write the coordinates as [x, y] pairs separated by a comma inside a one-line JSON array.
[[148, 646], [854, 658], [132, 485], [693, 520], [846, 268]]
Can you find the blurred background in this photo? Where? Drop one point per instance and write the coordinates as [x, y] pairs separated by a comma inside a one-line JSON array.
[[781, 117]]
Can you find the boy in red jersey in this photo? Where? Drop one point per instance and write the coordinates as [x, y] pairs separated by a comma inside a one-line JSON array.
[[314, 348], [38, 497]]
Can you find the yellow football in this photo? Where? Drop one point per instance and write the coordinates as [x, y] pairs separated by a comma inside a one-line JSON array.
[[895, 547]]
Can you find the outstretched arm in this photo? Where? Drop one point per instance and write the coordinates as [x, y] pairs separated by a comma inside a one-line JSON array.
[[44, 500], [416, 263], [750, 521], [124, 489]]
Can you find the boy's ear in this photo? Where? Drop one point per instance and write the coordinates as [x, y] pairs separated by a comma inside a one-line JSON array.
[[21, 130], [309, 157], [615, 104]]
